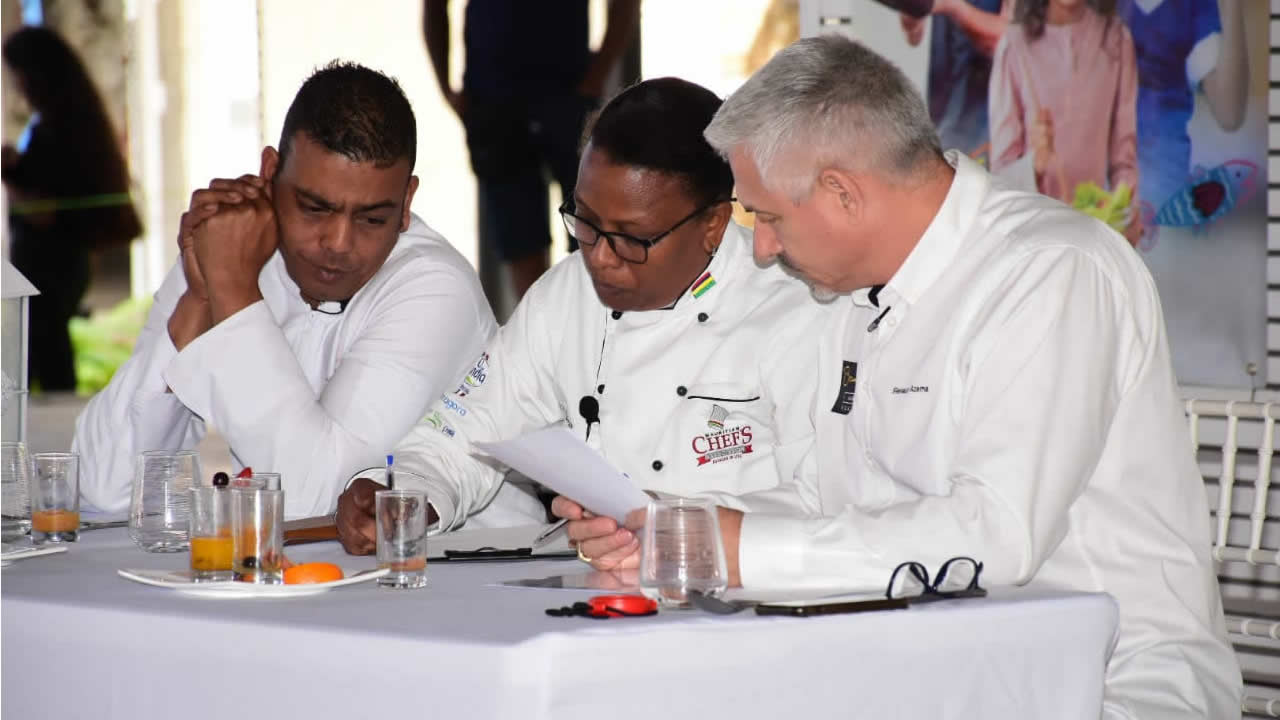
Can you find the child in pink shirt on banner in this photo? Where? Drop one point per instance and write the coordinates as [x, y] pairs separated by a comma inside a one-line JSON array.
[[1063, 108]]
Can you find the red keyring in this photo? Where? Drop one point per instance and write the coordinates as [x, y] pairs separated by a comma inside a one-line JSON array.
[[621, 606]]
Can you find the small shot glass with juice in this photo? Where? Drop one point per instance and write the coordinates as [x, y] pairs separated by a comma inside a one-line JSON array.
[[55, 497], [210, 532]]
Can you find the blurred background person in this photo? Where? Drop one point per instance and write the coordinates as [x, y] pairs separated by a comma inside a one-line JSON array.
[[1183, 46], [529, 79], [1063, 103], [962, 39], [68, 187]]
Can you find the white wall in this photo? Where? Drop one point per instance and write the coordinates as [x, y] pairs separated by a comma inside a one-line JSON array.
[[871, 24], [704, 42]]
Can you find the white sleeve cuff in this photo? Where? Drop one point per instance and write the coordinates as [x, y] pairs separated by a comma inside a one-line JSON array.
[[1203, 58], [162, 353], [789, 552], [771, 551]]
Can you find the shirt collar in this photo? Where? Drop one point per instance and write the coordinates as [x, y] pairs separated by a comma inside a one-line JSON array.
[[719, 271], [944, 236]]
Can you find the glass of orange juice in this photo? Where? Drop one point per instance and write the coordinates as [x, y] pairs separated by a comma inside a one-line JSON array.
[[55, 497], [210, 531]]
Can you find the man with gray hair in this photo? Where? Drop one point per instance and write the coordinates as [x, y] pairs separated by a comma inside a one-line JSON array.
[[999, 386]]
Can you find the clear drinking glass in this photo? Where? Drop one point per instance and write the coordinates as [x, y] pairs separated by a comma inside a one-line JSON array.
[[15, 483], [257, 535], [681, 550], [266, 480], [55, 497], [402, 537], [160, 506], [259, 480], [211, 546]]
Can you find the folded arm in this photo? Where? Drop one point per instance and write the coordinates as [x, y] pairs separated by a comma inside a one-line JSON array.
[[243, 377]]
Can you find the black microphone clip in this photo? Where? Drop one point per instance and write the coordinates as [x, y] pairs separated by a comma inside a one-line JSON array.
[[589, 409]]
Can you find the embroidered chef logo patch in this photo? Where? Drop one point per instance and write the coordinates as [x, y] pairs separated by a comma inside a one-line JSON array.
[[723, 444], [848, 383], [475, 377]]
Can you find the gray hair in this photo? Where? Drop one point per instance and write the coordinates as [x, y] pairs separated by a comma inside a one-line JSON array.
[[826, 102]]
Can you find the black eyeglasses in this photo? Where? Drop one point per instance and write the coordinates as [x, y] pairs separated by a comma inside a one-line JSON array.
[[957, 578], [628, 247]]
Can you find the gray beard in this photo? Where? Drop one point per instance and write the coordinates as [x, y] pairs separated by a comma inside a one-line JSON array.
[[822, 294], [819, 293]]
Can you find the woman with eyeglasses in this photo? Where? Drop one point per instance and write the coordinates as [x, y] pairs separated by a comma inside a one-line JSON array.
[[660, 342]]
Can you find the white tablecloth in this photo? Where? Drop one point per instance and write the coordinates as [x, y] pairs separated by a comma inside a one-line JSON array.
[[79, 641]]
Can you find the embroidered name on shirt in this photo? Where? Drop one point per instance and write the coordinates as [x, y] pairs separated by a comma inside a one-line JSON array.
[[848, 383], [910, 389]]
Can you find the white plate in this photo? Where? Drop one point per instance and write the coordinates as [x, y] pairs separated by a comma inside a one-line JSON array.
[[22, 552], [180, 580]]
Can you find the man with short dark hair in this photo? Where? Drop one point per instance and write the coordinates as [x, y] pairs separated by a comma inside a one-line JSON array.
[[312, 317]]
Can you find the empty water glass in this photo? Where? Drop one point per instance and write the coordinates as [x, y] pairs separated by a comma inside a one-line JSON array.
[[15, 483], [681, 550], [55, 497], [402, 536], [160, 506]]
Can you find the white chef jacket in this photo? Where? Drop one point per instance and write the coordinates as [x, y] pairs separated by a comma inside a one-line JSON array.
[[714, 392], [1015, 404], [310, 395]]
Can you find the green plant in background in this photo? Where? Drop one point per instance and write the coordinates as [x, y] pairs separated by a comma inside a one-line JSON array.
[[103, 341], [1111, 208]]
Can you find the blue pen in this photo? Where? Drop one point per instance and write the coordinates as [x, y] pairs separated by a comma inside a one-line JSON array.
[[391, 475]]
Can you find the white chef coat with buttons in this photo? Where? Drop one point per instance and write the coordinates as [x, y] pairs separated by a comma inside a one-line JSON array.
[[1015, 404], [311, 394], [714, 392]]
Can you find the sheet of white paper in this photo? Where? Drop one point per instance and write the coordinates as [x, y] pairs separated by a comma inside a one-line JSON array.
[[555, 457]]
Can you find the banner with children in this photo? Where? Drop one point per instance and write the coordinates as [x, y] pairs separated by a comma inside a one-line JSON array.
[[1148, 114]]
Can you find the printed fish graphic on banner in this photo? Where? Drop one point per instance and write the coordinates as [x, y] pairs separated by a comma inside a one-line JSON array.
[[1206, 198]]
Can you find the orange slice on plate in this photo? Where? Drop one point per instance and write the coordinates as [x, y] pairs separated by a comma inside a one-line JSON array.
[[312, 572]]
